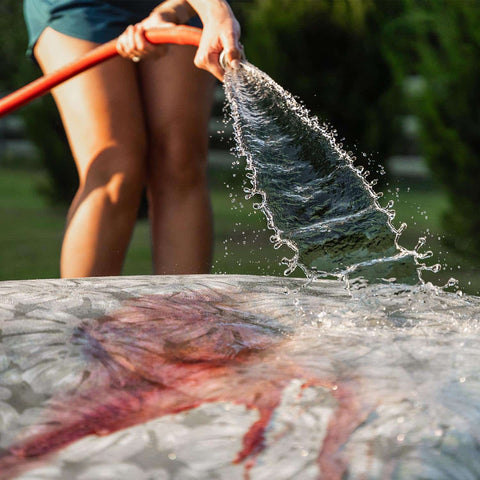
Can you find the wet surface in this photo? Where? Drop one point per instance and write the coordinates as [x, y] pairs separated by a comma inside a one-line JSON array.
[[237, 377]]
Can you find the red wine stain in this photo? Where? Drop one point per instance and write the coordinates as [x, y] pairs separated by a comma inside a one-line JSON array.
[[163, 355]]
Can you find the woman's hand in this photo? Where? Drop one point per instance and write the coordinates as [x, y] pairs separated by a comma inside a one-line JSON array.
[[221, 32], [133, 43]]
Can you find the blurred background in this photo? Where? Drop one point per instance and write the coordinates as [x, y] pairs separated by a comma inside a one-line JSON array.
[[398, 79]]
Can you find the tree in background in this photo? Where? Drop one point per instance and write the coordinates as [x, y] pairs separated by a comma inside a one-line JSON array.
[[42, 122], [13, 43], [439, 42], [327, 52], [324, 51]]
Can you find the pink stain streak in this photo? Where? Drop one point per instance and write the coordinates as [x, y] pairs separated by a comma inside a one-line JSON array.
[[164, 355]]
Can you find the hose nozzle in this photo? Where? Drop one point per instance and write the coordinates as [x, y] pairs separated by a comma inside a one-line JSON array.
[[224, 63]]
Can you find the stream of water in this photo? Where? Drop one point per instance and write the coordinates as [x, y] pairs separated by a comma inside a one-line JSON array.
[[315, 199], [229, 377]]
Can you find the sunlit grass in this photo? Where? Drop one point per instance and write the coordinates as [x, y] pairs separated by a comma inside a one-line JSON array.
[[421, 206], [32, 232]]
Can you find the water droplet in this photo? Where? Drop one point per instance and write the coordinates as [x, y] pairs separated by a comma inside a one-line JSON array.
[[278, 176]]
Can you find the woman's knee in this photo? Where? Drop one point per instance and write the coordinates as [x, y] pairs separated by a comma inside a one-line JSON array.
[[181, 167], [118, 175]]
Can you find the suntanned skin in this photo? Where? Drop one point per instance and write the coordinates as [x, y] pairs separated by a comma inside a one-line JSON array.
[[221, 32], [132, 125]]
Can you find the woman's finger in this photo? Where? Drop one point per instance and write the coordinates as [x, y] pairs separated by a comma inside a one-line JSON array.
[[132, 49], [133, 44], [122, 48], [124, 43], [209, 60], [232, 48], [142, 45], [139, 39]]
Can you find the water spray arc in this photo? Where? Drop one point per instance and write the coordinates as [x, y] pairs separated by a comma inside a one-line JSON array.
[[181, 35]]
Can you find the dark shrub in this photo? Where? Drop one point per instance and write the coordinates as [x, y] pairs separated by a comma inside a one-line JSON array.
[[327, 52], [42, 122], [440, 42]]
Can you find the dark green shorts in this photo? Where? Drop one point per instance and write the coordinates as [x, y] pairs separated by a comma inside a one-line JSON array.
[[95, 20]]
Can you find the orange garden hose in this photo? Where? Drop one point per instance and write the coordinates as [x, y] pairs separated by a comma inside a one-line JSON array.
[[177, 35]]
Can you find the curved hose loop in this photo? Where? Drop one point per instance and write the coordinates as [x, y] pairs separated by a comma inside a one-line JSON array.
[[181, 35]]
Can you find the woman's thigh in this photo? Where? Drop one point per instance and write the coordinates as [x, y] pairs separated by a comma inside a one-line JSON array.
[[177, 102], [101, 108]]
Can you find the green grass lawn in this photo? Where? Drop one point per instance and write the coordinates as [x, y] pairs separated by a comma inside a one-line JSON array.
[[421, 205], [32, 232]]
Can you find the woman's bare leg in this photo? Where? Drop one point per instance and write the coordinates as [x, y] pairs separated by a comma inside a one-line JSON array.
[[102, 114], [177, 101]]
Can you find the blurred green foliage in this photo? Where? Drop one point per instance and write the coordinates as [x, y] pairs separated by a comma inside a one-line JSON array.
[[13, 42], [327, 53], [352, 62], [45, 129], [42, 121], [363, 64], [438, 43]]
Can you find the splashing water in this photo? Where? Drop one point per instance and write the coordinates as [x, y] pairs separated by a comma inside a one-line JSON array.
[[316, 201]]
